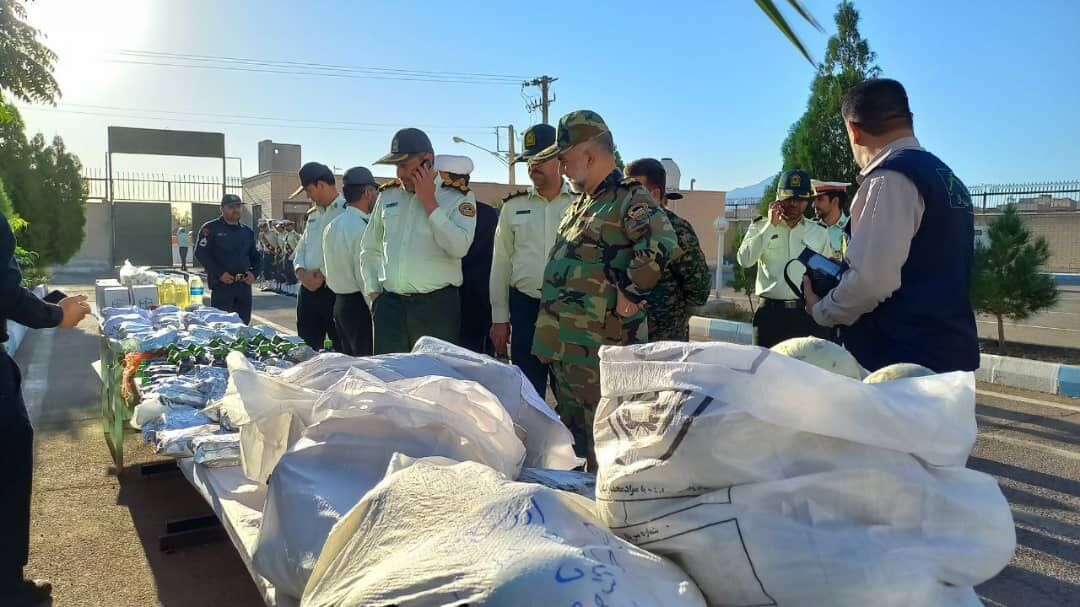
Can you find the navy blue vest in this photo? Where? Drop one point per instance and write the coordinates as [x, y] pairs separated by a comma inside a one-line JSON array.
[[929, 319]]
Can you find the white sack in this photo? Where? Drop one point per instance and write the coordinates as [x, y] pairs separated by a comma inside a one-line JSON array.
[[548, 442], [441, 533], [358, 424], [774, 482]]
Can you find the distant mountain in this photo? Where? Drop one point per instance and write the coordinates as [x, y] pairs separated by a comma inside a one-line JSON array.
[[752, 191]]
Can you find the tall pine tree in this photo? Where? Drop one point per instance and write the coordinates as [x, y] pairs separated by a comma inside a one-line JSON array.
[[1006, 281], [817, 142]]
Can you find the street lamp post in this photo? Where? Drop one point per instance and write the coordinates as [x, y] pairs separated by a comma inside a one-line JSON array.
[[508, 160], [721, 226]]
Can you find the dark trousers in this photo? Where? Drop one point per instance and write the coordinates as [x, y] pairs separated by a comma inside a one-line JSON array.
[[16, 474], [353, 320], [315, 317], [268, 264], [777, 320], [400, 320], [476, 321], [183, 258], [523, 313], [233, 298]]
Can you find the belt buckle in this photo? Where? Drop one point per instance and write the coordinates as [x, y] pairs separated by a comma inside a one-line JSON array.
[[791, 304]]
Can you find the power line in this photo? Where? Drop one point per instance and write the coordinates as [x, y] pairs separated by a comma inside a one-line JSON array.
[[327, 66], [305, 69], [265, 118], [282, 124]]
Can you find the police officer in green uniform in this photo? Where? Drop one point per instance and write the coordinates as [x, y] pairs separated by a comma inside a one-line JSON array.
[[315, 299], [528, 224], [686, 281], [772, 242], [410, 255], [612, 247]]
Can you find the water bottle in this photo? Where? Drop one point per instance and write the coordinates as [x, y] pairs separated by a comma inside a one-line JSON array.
[[195, 289]]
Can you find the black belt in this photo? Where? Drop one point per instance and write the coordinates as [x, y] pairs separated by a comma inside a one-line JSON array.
[[416, 296], [787, 304]]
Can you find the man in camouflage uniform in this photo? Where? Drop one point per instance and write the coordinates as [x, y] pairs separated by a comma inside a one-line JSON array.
[[612, 247], [687, 280]]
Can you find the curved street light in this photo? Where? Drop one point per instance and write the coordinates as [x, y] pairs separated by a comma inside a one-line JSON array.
[[501, 158]]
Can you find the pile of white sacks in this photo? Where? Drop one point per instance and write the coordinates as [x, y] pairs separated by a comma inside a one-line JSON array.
[[729, 475]]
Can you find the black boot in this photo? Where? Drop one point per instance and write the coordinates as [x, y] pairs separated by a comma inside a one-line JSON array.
[[27, 593]]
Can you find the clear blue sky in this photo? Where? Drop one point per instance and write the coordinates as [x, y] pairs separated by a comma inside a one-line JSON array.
[[995, 85]]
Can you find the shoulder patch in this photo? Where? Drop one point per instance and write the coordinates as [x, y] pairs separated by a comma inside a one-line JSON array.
[[515, 195], [457, 185], [393, 183], [312, 209], [467, 209], [638, 210]]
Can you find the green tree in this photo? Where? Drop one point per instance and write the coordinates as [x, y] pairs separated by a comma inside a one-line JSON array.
[[619, 161], [26, 65], [45, 185], [1006, 281], [817, 142], [743, 280]]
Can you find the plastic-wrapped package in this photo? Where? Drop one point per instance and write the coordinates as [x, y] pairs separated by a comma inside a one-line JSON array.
[[437, 532], [173, 418], [177, 443], [358, 425], [217, 450], [815, 490]]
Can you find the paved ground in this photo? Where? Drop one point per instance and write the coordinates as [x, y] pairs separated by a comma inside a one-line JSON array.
[[95, 531], [1057, 327]]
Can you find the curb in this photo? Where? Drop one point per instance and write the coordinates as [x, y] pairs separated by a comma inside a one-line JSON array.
[[1050, 378]]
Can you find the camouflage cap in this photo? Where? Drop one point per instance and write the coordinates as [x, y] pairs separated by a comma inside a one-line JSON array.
[[574, 128], [794, 183]]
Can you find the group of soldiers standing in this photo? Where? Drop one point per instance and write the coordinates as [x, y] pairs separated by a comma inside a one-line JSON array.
[[560, 270], [277, 242]]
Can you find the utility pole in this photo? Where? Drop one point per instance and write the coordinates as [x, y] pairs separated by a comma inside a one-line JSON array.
[[511, 154], [544, 82]]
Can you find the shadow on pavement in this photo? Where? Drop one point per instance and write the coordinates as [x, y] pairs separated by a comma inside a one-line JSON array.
[[211, 574], [1031, 477]]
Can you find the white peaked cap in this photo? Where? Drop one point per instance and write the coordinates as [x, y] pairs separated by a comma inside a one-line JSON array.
[[459, 165]]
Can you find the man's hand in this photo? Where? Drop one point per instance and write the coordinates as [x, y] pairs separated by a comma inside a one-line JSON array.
[[227, 279], [423, 179], [373, 296], [249, 278], [809, 295], [776, 213], [500, 335], [75, 309], [626, 308]]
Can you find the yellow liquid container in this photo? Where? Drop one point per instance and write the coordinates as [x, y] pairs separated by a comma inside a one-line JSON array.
[[166, 293], [182, 297]]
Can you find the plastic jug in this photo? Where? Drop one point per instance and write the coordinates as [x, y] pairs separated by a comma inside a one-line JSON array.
[[166, 293], [195, 290], [183, 297]]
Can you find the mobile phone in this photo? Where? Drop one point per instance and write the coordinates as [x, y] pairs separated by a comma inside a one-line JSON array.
[[427, 163], [55, 297]]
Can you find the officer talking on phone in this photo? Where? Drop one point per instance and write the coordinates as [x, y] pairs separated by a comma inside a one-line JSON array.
[[410, 255], [770, 243]]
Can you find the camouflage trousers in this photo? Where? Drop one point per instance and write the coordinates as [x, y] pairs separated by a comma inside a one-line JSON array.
[[577, 389]]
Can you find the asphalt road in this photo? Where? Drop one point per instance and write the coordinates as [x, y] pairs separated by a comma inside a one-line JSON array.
[[1027, 441], [1059, 326]]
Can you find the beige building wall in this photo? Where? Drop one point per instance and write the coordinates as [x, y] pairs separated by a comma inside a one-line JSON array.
[[701, 208], [1062, 232]]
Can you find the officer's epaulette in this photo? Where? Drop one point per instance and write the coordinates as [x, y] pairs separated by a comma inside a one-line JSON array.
[[312, 209], [460, 186], [631, 182], [757, 219], [514, 195], [393, 183]]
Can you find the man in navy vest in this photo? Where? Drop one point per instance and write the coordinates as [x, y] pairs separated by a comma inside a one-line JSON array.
[[905, 296]]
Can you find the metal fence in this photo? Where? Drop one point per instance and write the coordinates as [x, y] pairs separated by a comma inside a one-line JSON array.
[[1028, 197], [150, 187], [1057, 196], [742, 208]]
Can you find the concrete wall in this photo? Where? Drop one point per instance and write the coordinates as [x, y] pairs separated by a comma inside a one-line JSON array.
[[701, 208], [95, 254], [1061, 230]]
